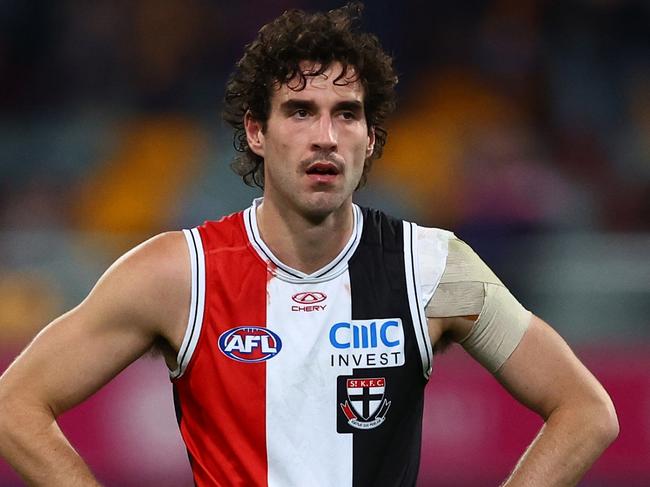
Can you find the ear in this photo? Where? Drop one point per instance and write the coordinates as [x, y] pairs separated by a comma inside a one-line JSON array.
[[254, 134], [371, 142]]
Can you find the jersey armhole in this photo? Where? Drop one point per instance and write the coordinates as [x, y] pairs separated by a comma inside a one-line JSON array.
[[197, 302], [414, 292], [429, 250]]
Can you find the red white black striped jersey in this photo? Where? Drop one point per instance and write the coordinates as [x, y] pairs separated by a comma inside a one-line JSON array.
[[289, 379]]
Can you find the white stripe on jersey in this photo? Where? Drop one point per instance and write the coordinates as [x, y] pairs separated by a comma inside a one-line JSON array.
[[197, 301], [307, 398], [413, 287]]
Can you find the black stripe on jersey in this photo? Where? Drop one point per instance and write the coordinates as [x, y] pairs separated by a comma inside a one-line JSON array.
[[345, 255], [177, 406], [388, 454], [195, 257], [423, 329]]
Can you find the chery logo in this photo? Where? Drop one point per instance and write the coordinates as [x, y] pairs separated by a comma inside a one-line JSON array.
[[309, 301], [311, 297]]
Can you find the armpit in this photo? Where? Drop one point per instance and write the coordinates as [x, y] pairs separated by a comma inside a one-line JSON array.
[[469, 287]]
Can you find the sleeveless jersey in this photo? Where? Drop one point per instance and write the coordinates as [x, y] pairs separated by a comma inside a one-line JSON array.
[[288, 379]]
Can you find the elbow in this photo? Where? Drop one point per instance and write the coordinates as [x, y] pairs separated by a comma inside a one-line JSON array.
[[7, 412], [17, 417], [610, 425], [604, 421], [18, 425], [593, 419], [5, 408], [6, 420]]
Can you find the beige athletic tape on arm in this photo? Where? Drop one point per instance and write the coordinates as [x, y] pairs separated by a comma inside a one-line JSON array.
[[498, 329], [469, 287]]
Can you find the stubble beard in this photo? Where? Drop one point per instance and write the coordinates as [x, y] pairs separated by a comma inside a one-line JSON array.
[[314, 204]]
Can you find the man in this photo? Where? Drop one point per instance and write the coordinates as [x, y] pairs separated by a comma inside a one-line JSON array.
[[300, 332]]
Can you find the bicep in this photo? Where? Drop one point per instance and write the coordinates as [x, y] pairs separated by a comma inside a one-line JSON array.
[[472, 307], [543, 373], [73, 357], [129, 308]]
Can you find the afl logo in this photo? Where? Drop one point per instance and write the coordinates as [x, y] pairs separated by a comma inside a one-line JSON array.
[[250, 344], [311, 297]]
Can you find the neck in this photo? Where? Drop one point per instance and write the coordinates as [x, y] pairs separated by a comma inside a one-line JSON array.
[[300, 242]]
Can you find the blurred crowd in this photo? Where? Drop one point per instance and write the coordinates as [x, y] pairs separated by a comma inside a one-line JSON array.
[[516, 119]]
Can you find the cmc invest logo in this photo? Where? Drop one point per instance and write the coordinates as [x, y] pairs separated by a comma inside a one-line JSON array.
[[308, 301]]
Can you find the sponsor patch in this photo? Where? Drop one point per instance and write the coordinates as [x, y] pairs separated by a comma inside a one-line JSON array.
[[308, 301], [364, 404], [367, 343], [310, 297], [250, 344]]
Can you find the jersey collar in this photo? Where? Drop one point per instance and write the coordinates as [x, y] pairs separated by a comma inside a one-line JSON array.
[[336, 267]]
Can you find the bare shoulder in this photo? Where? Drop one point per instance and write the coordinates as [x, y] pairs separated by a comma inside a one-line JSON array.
[[161, 257], [151, 283]]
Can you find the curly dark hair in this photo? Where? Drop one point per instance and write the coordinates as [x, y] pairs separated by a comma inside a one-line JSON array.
[[275, 57]]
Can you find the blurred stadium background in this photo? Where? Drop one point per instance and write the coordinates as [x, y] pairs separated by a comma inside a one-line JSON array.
[[524, 126]]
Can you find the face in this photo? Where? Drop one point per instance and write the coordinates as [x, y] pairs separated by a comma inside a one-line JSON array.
[[315, 143]]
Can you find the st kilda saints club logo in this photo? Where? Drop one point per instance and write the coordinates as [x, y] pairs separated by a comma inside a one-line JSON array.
[[364, 405]]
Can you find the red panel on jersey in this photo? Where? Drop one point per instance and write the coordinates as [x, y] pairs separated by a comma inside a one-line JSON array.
[[222, 400]]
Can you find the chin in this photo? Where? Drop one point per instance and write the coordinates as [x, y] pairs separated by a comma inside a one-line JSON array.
[[321, 205]]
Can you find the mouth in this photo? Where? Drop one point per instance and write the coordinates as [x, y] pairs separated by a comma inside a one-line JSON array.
[[323, 168]]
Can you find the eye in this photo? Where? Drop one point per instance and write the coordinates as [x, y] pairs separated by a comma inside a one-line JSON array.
[[348, 115], [301, 113]]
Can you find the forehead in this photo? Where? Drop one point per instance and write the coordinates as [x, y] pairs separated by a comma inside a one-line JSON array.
[[325, 86]]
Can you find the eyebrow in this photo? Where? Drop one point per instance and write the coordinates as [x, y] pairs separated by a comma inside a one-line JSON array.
[[290, 106], [351, 105]]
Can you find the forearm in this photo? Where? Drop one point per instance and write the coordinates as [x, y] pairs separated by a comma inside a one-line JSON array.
[[33, 444], [568, 444]]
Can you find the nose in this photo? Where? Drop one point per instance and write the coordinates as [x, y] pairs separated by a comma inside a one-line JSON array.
[[324, 137]]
